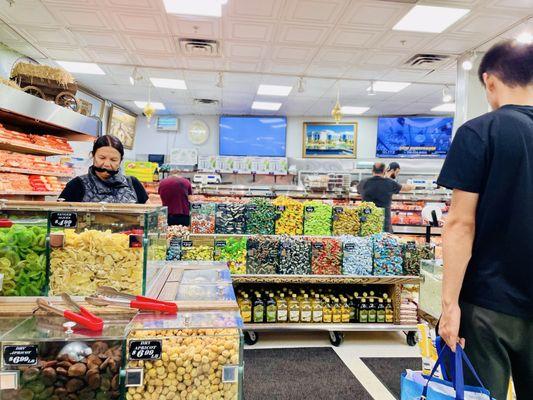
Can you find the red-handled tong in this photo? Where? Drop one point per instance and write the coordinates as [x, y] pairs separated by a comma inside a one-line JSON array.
[[110, 296], [5, 223], [82, 316]]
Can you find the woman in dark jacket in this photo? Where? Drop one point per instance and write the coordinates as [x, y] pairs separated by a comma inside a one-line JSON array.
[[105, 182]]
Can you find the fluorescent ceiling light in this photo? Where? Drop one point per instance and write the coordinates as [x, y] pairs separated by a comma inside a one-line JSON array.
[[81, 67], [391, 87], [155, 104], [349, 110], [132, 81], [525, 38], [263, 105], [274, 90], [169, 83], [206, 8], [430, 19], [446, 107]]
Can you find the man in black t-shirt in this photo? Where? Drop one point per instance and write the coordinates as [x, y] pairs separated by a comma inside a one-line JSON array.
[[487, 295]]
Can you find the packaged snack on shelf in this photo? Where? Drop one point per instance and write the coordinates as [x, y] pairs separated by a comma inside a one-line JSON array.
[[203, 218], [260, 215], [263, 255], [294, 256], [230, 218], [197, 249], [289, 215], [387, 255], [371, 218], [232, 250], [326, 256], [413, 253], [317, 218], [357, 255], [345, 221]]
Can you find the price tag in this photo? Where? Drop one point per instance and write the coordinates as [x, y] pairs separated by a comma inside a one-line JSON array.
[[196, 206], [222, 206], [252, 207], [318, 245], [230, 373], [309, 209], [338, 210], [362, 219], [186, 243], [367, 211], [20, 355], [281, 208], [349, 246], [220, 243], [145, 349], [64, 219]]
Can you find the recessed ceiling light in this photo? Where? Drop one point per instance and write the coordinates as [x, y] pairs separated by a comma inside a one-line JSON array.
[[169, 83], [525, 38], [274, 90], [349, 110], [430, 19], [264, 105], [391, 87], [81, 67], [207, 8], [467, 65], [446, 107], [155, 104]]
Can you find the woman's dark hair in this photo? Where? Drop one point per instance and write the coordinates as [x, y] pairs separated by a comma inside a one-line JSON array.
[[510, 61], [111, 141]]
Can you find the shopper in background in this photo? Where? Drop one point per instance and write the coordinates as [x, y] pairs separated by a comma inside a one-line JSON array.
[[487, 296], [393, 171], [175, 192], [105, 182]]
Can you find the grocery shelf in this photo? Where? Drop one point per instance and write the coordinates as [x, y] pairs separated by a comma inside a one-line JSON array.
[[30, 149], [326, 279], [347, 327], [23, 193], [30, 172]]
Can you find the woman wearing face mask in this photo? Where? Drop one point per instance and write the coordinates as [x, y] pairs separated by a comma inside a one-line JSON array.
[[105, 182]]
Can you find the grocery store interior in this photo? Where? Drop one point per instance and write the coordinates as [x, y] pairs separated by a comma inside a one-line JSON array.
[[282, 283]]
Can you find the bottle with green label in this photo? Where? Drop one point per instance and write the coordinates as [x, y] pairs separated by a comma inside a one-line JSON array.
[[316, 306], [380, 313], [306, 311], [345, 311], [336, 312], [389, 312], [326, 311], [294, 309], [271, 309], [259, 309], [372, 311], [363, 311], [282, 308], [351, 306], [246, 309]]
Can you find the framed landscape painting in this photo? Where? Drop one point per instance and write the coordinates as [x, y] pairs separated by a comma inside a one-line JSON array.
[[329, 140], [122, 125]]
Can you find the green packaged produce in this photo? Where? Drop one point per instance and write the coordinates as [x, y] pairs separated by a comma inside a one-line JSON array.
[[371, 218], [260, 217], [317, 218]]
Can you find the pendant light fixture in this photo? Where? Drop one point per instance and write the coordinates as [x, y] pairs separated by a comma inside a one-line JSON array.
[[336, 112], [148, 109]]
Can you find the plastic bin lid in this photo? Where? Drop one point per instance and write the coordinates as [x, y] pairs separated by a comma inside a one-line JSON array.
[[187, 320], [219, 291], [199, 276]]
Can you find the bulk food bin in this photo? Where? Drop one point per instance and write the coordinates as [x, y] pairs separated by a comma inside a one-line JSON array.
[[191, 355], [44, 358]]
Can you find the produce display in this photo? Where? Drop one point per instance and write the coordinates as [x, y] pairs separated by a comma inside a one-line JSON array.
[[289, 216], [203, 218], [263, 257], [50, 142], [357, 255], [345, 221], [232, 250], [35, 164], [413, 253], [230, 218], [387, 255], [294, 256], [23, 259], [260, 217], [317, 218], [326, 256], [95, 258], [371, 217]]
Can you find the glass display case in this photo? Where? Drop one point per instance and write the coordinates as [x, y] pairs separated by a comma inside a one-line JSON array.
[[203, 276], [189, 355], [431, 288], [44, 358]]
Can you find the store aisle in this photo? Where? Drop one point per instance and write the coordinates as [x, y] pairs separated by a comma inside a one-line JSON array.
[[365, 355]]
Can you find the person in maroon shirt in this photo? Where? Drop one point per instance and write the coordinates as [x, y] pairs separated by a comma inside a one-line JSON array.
[[175, 192]]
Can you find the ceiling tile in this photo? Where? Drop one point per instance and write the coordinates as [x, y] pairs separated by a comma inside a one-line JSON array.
[[142, 23], [244, 66], [68, 54], [109, 40], [336, 54], [150, 44], [239, 51], [330, 70], [295, 54], [353, 38], [314, 11], [196, 28], [28, 12], [477, 23], [250, 31], [141, 5], [402, 74], [365, 72], [47, 36], [451, 44], [153, 60], [512, 4], [262, 9], [373, 14], [80, 18], [383, 58], [284, 67], [403, 41], [301, 34]]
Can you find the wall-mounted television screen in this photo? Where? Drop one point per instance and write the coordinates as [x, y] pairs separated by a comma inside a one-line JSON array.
[[414, 137], [252, 136]]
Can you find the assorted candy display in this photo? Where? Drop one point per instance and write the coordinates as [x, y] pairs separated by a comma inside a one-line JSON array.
[[326, 256], [387, 255], [260, 217], [289, 216], [345, 221], [232, 250], [294, 256], [413, 253], [371, 218], [230, 218], [203, 218], [263, 257], [357, 255], [317, 218]]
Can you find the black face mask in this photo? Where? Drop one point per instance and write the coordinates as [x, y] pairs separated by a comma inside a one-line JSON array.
[[111, 172]]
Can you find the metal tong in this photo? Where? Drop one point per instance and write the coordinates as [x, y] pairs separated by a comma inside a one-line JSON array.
[[80, 315], [110, 296]]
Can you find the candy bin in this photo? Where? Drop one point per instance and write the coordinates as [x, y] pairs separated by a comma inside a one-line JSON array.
[[263, 257], [289, 216], [191, 355], [387, 255], [230, 218], [260, 217], [232, 250], [102, 245], [413, 253], [197, 249], [294, 256], [372, 218], [357, 255], [326, 256], [345, 221], [203, 218], [46, 358], [317, 218], [23, 236]]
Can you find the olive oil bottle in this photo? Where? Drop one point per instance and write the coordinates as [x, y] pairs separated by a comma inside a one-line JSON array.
[[306, 310], [326, 311], [363, 311], [372, 312], [316, 308], [345, 311], [294, 309], [271, 309], [389, 312], [380, 313], [259, 309], [246, 309], [336, 312], [282, 315]]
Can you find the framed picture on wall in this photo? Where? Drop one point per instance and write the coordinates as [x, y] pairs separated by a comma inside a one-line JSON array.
[[91, 106], [329, 140], [121, 124]]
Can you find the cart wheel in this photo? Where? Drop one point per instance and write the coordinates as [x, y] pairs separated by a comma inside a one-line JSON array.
[[251, 337], [34, 90], [336, 338], [412, 339], [67, 100]]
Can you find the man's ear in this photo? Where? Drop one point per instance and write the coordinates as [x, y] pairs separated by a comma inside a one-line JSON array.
[[489, 81]]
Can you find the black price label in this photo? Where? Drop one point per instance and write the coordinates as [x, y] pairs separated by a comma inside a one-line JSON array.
[[222, 206], [20, 355], [362, 219], [338, 210], [318, 245], [309, 209], [252, 207], [220, 243], [281, 208], [63, 219], [186, 243], [367, 211], [196, 206], [145, 349], [349, 246]]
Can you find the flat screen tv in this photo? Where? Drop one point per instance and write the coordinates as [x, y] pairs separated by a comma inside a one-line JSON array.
[[414, 137], [252, 136]]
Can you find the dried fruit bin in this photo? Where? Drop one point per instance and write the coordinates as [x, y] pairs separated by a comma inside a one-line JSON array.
[[42, 360], [191, 355]]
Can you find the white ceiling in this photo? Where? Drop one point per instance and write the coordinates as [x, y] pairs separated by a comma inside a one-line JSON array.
[[331, 43]]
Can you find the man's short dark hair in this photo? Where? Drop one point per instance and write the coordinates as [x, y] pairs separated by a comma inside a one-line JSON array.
[[378, 168], [510, 61], [393, 166]]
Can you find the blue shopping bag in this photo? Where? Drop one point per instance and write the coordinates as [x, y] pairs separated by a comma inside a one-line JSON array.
[[416, 386]]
